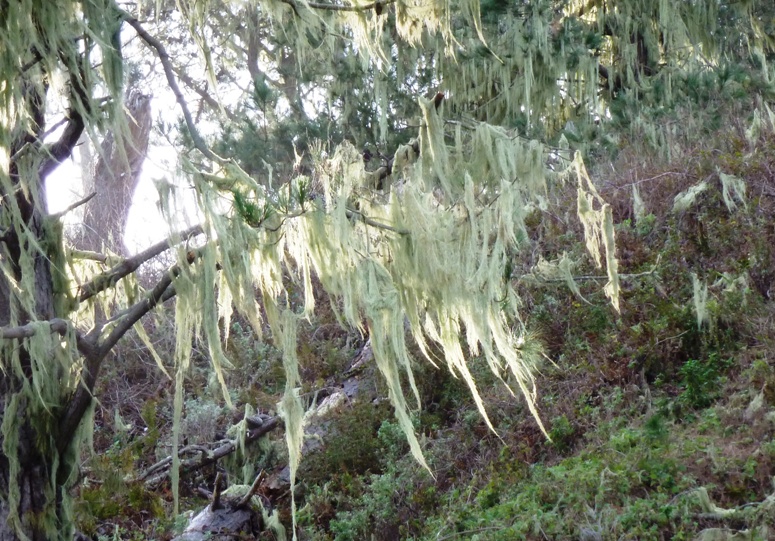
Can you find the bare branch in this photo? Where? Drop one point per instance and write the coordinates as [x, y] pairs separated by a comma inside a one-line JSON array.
[[74, 206], [137, 311], [106, 279], [208, 99], [253, 489], [79, 103], [61, 150], [159, 471], [215, 503], [36, 57]]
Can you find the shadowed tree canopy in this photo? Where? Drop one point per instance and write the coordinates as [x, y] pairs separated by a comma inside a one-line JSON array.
[[476, 112]]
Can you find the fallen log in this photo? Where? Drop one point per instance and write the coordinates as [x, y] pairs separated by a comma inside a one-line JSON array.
[[196, 457]]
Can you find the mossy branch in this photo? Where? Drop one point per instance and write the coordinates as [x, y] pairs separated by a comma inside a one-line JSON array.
[[378, 7], [97, 350], [28, 331], [56, 325], [107, 279]]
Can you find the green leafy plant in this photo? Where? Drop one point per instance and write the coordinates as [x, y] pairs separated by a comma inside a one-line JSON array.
[[701, 380]]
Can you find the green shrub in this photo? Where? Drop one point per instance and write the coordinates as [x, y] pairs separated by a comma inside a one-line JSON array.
[[701, 380]]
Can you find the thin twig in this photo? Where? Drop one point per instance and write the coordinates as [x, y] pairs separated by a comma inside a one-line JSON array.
[[467, 532], [368, 221], [590, 277], [212, 102], [74, 206], [54, 128], [651, 272], [670, 338], [641, 181]]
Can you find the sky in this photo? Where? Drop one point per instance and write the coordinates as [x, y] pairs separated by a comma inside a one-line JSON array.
[[146, 225]]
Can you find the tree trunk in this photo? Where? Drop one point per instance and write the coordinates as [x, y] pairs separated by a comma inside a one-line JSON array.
[[36, 377], [32, 470], [116, 175], [39, 514]]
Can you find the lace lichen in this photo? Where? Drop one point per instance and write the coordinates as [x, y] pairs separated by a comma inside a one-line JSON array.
[[686, 198], [700, 300], [732, 188]]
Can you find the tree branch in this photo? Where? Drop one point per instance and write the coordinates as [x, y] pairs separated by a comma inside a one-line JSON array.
[[169, 72], [216, 501], [253, 489], [63, 148], [95, 352], [208, 99], [159, 471], [74, 206], [376, 6], [166, 295], [29, 330], [351, 213], [378, 176], [82, 397], [94, 256], [138, 310], [106, 279]]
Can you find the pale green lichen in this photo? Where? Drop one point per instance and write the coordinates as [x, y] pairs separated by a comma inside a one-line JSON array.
[[732, 188], [700, 299], [686, 198], [598, 228]]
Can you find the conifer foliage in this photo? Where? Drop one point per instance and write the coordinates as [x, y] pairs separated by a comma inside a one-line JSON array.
[[421, 245]]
